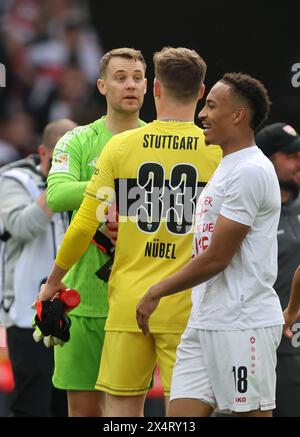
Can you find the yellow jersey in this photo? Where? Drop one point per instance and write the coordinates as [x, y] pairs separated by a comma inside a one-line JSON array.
[[155, 174]]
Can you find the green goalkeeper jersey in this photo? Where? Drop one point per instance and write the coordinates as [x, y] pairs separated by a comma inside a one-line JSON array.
[[73, 164]]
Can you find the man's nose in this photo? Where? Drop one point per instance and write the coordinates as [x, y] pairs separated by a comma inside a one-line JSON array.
[[130, 82], [202, 114]]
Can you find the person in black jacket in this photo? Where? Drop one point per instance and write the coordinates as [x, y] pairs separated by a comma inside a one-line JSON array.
[[281, 143]]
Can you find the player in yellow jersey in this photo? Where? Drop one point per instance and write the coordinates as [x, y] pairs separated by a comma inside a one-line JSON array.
[[122, 82], [156, 174]]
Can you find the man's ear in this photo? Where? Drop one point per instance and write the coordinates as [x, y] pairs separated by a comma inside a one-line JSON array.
[[156, 88], [41, 150], [239, 115], [101, 87], [201, 91]]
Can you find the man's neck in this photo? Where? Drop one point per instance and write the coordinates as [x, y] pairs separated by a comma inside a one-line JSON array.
[[235, 148], [167, 111], [238, 143], [175, 118], [119, 123]]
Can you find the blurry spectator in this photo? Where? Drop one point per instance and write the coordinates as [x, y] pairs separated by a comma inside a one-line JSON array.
[[18, 131], [19, 27], [281, 144], [7, 153], [21, 20], [43, 40], [51, 56], [55, 62], [71, 96], [30, 236]]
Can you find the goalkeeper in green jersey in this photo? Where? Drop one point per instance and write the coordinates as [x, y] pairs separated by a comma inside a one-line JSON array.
[[122, 82]]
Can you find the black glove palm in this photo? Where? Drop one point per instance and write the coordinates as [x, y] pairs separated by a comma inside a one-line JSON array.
[[52, 320]]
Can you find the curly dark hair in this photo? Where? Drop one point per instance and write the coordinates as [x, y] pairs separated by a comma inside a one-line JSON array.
[[253, 92]]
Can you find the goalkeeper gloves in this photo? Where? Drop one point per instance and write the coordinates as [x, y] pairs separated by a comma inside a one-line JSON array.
[[51, 323]]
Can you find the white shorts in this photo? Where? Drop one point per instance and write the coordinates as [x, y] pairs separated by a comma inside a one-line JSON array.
[[231, 370]]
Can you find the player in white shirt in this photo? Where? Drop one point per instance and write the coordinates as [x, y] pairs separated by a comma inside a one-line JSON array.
[[227, 356]]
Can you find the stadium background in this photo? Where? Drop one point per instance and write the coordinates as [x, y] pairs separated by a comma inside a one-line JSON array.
[[258, 38], [255, 37]]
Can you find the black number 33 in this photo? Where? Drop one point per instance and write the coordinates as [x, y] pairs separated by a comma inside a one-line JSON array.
[[172, 201]]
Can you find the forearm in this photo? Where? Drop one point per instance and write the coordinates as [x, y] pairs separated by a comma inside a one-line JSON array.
[[200, 269], [26, 224], [56, 275], [294, 301], [65, 195], [74, 245], [226, 240], [22, 217], [42, 203]]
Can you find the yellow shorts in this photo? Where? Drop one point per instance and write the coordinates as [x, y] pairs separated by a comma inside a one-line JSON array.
[[129, 359]]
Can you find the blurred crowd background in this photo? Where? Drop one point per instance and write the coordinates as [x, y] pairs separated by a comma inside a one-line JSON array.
[[51, 50], [51, 53]]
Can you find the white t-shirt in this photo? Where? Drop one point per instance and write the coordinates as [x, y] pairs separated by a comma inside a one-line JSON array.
[[244, 188]]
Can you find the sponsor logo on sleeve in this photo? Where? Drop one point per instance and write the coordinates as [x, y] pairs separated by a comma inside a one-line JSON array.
[[60, 163]]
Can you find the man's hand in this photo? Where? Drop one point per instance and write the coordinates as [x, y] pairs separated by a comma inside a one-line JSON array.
[[145, 308], [289, 318], [42, 203], [48, 291]]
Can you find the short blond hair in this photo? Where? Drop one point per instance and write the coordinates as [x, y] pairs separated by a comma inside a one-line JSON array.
[[180, 70], [123, 52]]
